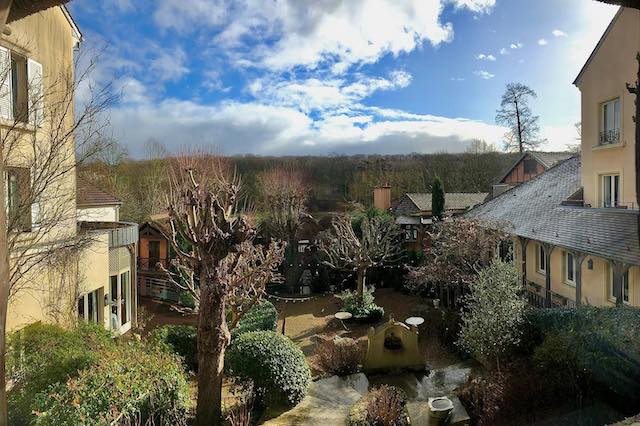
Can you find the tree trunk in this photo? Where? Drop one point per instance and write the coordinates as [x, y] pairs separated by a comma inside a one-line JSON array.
[[520, 144], [213, 338], [4, 294], [361, 278], [292, 270]]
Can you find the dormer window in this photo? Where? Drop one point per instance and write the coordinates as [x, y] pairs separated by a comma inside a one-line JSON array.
[[610, 122]]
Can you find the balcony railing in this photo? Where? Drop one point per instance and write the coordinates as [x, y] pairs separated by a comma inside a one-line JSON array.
[[149, 264], [608, 137], [537, 297]]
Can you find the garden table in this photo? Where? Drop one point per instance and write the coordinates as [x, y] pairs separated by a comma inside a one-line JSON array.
[[414, 321], [343, 316]]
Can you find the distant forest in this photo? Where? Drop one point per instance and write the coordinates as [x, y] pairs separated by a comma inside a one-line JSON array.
[[335, 181]]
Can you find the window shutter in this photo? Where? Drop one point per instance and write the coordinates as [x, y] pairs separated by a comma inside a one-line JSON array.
[[6, 98], [36, 93], [35, 209]]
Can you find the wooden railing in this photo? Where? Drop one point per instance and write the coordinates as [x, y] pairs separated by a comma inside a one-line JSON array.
[[146, 264], [537, 297]]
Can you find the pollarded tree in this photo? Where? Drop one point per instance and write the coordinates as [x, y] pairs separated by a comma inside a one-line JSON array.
[[495, 313], [437, 199], [229, 272], [516, 115], [377, 244], [284, 194]]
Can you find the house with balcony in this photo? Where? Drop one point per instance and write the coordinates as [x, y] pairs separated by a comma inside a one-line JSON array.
[[71, 258], [575, 226]]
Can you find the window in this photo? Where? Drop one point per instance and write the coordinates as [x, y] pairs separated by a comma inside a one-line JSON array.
[[625, 286], [610, 122], [19, 88], [18, 181], [410, 233], [530, 166], [89, 307], [541, 260], [610, 190], [569, 268]]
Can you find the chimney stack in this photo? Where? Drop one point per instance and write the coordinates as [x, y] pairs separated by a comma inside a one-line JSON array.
[[382, 197]]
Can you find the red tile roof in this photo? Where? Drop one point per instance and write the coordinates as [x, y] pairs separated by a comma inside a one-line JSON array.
[[88, 195]]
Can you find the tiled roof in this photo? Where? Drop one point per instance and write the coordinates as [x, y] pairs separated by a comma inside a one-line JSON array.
[[88, 195], [414, 202], [534, 210]]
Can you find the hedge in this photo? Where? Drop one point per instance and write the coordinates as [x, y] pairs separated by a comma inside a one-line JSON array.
[[273, 363], [262, 317]]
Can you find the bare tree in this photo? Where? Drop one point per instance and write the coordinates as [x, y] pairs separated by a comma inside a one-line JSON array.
[[516, 115], [284, 194], [378, 244], [50, 134], [228, 271], [480, 146]]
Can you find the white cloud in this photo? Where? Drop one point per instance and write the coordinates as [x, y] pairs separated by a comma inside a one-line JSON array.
[[504, 51], [558, 33], [484, 57], [169, 64], [543, 42], [485, 75], [517, 45], [285, 34]]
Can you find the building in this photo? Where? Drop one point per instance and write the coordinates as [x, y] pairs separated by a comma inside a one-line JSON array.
[[575, 226], [70, 257], [528, 166], [413, 211]]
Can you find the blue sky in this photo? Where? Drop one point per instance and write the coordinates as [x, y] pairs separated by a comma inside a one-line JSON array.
[[272, 77]]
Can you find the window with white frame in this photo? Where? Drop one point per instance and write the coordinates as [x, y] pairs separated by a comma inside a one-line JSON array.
[[625, 286], [21, 88], [541, 259], [89, 307], [610, 190], [610, 118], [410, 233], [569, 268]]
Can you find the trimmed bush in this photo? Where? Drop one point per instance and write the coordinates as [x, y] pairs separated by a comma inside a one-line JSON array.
[[262, 317], [273, 363], [382, 406], [604, 342], [339, 356], [181, 340], [40, 355], [136, 383], [365, 311]]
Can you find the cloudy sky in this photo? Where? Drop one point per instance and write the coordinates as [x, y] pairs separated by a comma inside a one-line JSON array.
[[302, 77]]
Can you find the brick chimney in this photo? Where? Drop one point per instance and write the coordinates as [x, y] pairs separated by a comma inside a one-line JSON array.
[[382, 197]]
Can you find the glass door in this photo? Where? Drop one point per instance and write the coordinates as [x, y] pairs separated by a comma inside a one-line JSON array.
[[120, 301]]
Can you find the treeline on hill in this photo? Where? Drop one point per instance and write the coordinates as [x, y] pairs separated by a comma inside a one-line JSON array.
[[334, 180]]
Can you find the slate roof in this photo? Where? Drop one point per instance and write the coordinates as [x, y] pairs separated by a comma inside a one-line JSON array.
[[88, 195], [534, 210], [415, 202], [547, 159]]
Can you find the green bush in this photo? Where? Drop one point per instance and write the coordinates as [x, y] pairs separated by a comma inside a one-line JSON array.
[[262, 317], [604, 342], [273, 363], [384, 405], [40, 355], [136, 383], [181, 340], [364, 310]]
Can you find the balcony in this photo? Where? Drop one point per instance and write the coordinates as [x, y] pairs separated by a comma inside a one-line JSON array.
[[120, 233], [609, 137], [146, 264]]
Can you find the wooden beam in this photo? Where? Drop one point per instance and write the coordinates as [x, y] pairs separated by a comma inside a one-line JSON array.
[[579, 259], [548, 248]]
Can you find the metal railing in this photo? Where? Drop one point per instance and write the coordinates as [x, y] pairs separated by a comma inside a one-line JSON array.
[[157, 288], [146, 264], [537, 297], [608, 137]]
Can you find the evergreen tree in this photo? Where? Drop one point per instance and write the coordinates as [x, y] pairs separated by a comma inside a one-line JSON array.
[[437, 198]]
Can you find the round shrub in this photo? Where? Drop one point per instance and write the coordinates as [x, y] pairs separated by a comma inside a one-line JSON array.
[[363, 311], [181, 340], [136, 383], [261, 317], [273, 363], [40, 355], [339, 356], [382, 406]]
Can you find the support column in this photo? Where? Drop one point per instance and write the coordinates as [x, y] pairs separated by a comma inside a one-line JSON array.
[[524, 242], [619, 269], [579, 260], [548, 248]]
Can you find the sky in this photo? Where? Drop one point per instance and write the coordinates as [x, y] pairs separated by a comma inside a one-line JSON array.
[[296, 77]]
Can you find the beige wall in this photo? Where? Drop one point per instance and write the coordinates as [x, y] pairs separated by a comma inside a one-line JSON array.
[[99, 214], [594, 281], [604, 79]]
